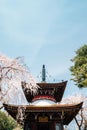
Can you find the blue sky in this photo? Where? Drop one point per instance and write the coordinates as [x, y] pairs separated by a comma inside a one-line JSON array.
[[44, 32]]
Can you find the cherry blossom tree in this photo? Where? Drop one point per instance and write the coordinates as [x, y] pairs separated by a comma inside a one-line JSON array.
[[81, 118], [12, 73]]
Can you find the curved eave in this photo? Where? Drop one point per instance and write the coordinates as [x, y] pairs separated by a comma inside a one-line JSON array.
[[51, 85], [58, 90], [70, 111]]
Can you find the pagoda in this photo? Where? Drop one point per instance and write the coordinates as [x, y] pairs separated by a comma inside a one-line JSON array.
[[45, 111]]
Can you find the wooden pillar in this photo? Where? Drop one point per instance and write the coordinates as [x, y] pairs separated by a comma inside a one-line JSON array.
[[61, 124]]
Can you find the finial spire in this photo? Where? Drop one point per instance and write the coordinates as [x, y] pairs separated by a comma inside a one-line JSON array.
[[43, 74]]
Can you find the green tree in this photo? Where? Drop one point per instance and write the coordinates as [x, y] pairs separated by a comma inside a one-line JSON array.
[[79, 68], [6, 122]]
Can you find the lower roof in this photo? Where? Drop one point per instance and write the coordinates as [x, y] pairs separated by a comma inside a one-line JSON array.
[[56, 110]]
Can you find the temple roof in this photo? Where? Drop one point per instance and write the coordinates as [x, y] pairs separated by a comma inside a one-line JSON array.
[[50, 89], [67, 111]]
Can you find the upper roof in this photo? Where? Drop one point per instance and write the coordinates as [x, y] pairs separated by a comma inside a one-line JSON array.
[[54, 90], [50, 89]]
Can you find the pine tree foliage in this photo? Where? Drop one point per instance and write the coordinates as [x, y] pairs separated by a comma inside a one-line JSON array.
[[79, 68]]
